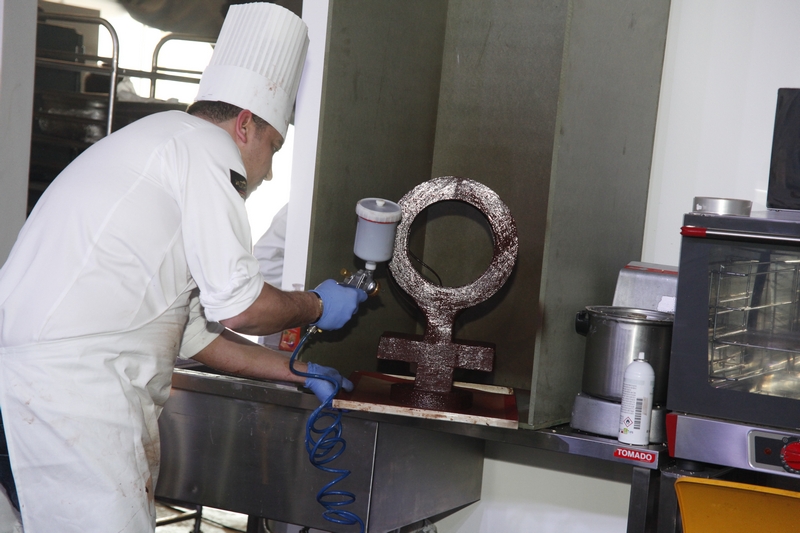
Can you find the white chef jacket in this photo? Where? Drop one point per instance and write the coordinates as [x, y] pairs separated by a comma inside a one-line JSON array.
[[270, 249], [95, 299]]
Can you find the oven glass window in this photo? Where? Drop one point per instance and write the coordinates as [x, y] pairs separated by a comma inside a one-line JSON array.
[[754, 319]]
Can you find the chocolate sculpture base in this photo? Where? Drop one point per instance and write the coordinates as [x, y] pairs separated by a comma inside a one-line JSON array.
[[406, 394], [491, 405]]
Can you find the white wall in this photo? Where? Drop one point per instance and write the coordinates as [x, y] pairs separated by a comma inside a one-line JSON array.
[[304, 156], [724, 63], [526, 490], [17, 50]]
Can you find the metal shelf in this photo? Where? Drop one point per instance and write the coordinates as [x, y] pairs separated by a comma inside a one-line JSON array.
[[560, 438], [66, 122]]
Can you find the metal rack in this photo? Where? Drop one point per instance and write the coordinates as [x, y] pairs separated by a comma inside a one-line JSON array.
[[158, 72], [79, 62], [754, 334], [68, 117]]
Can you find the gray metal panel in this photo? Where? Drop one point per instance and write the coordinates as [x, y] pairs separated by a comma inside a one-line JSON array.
[[429, 471], [714, 441], [495, 125], [643, 506], [598, 189], [377, 126], [17, 59]]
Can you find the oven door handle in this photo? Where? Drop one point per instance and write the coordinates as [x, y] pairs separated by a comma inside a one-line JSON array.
[[696, 231]]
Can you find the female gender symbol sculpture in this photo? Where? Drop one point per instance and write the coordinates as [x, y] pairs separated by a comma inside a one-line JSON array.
[[436, 353]]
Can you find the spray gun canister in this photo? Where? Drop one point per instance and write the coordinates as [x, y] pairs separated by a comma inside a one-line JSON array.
[[375, 232]]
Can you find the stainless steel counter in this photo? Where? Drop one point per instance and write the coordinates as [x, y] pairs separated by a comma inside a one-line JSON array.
[[237, 444]]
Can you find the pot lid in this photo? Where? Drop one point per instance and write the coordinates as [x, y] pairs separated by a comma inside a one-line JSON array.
[[631, 314]]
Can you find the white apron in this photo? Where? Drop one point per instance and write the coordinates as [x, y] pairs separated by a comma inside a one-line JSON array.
[[87, 410], [93, 304]]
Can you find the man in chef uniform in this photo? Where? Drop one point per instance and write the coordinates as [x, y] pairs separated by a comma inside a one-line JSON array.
[[140, 251]]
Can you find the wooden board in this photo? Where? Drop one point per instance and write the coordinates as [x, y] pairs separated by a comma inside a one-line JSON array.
[[491, 406]]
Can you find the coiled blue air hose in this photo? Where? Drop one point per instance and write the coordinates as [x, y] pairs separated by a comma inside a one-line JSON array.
[[324, 443]]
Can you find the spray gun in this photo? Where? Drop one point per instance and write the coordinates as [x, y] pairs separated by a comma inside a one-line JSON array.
[[374, 243], [375, 232]]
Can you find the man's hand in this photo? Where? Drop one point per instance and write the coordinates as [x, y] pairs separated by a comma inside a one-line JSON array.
[[339, 304], [324, 387]]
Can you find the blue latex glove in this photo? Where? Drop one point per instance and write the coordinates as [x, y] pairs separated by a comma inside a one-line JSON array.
[[339, 304], [324, 388]]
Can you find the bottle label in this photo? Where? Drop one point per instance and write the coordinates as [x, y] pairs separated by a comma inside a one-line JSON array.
[[641, 405], [634, 423]]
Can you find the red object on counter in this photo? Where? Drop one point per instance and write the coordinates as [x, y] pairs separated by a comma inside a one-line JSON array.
[[289, 339], [693, 231], [650, 269], [672, 426]]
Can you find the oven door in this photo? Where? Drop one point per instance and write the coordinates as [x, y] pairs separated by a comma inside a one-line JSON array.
[[736, 336]]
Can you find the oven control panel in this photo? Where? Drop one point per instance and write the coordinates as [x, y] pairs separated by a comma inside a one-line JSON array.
[[774, 451]]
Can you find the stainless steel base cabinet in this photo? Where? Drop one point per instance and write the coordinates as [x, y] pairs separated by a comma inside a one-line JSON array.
[[238, 445]]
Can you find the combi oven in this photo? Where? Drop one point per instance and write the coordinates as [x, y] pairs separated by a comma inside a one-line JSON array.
[[734, 380]]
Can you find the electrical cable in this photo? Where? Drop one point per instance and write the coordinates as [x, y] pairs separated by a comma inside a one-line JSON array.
[[325, 422], [425, 265]]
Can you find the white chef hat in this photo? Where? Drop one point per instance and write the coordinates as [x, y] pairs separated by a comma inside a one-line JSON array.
[[257, 62]]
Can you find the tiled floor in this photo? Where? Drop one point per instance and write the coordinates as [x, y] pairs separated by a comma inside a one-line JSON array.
[[219, 521], [214, 521]]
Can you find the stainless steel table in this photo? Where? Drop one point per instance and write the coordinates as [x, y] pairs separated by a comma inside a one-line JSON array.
[[238, 444]]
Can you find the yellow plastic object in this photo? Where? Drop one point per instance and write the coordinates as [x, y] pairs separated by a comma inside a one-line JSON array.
[[708, 505]]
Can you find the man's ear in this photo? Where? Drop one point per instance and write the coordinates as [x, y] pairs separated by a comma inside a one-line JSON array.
[[245, 126]]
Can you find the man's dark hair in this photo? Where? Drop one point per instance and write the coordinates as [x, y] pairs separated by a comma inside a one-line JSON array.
[[217, 112]]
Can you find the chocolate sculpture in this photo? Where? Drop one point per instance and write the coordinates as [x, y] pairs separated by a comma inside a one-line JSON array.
[[435, 352]]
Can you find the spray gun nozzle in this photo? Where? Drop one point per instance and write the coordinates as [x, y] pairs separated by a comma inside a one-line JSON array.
[[361, 280]]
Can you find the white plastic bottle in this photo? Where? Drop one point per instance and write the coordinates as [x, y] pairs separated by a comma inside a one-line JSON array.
[[637, 402]]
